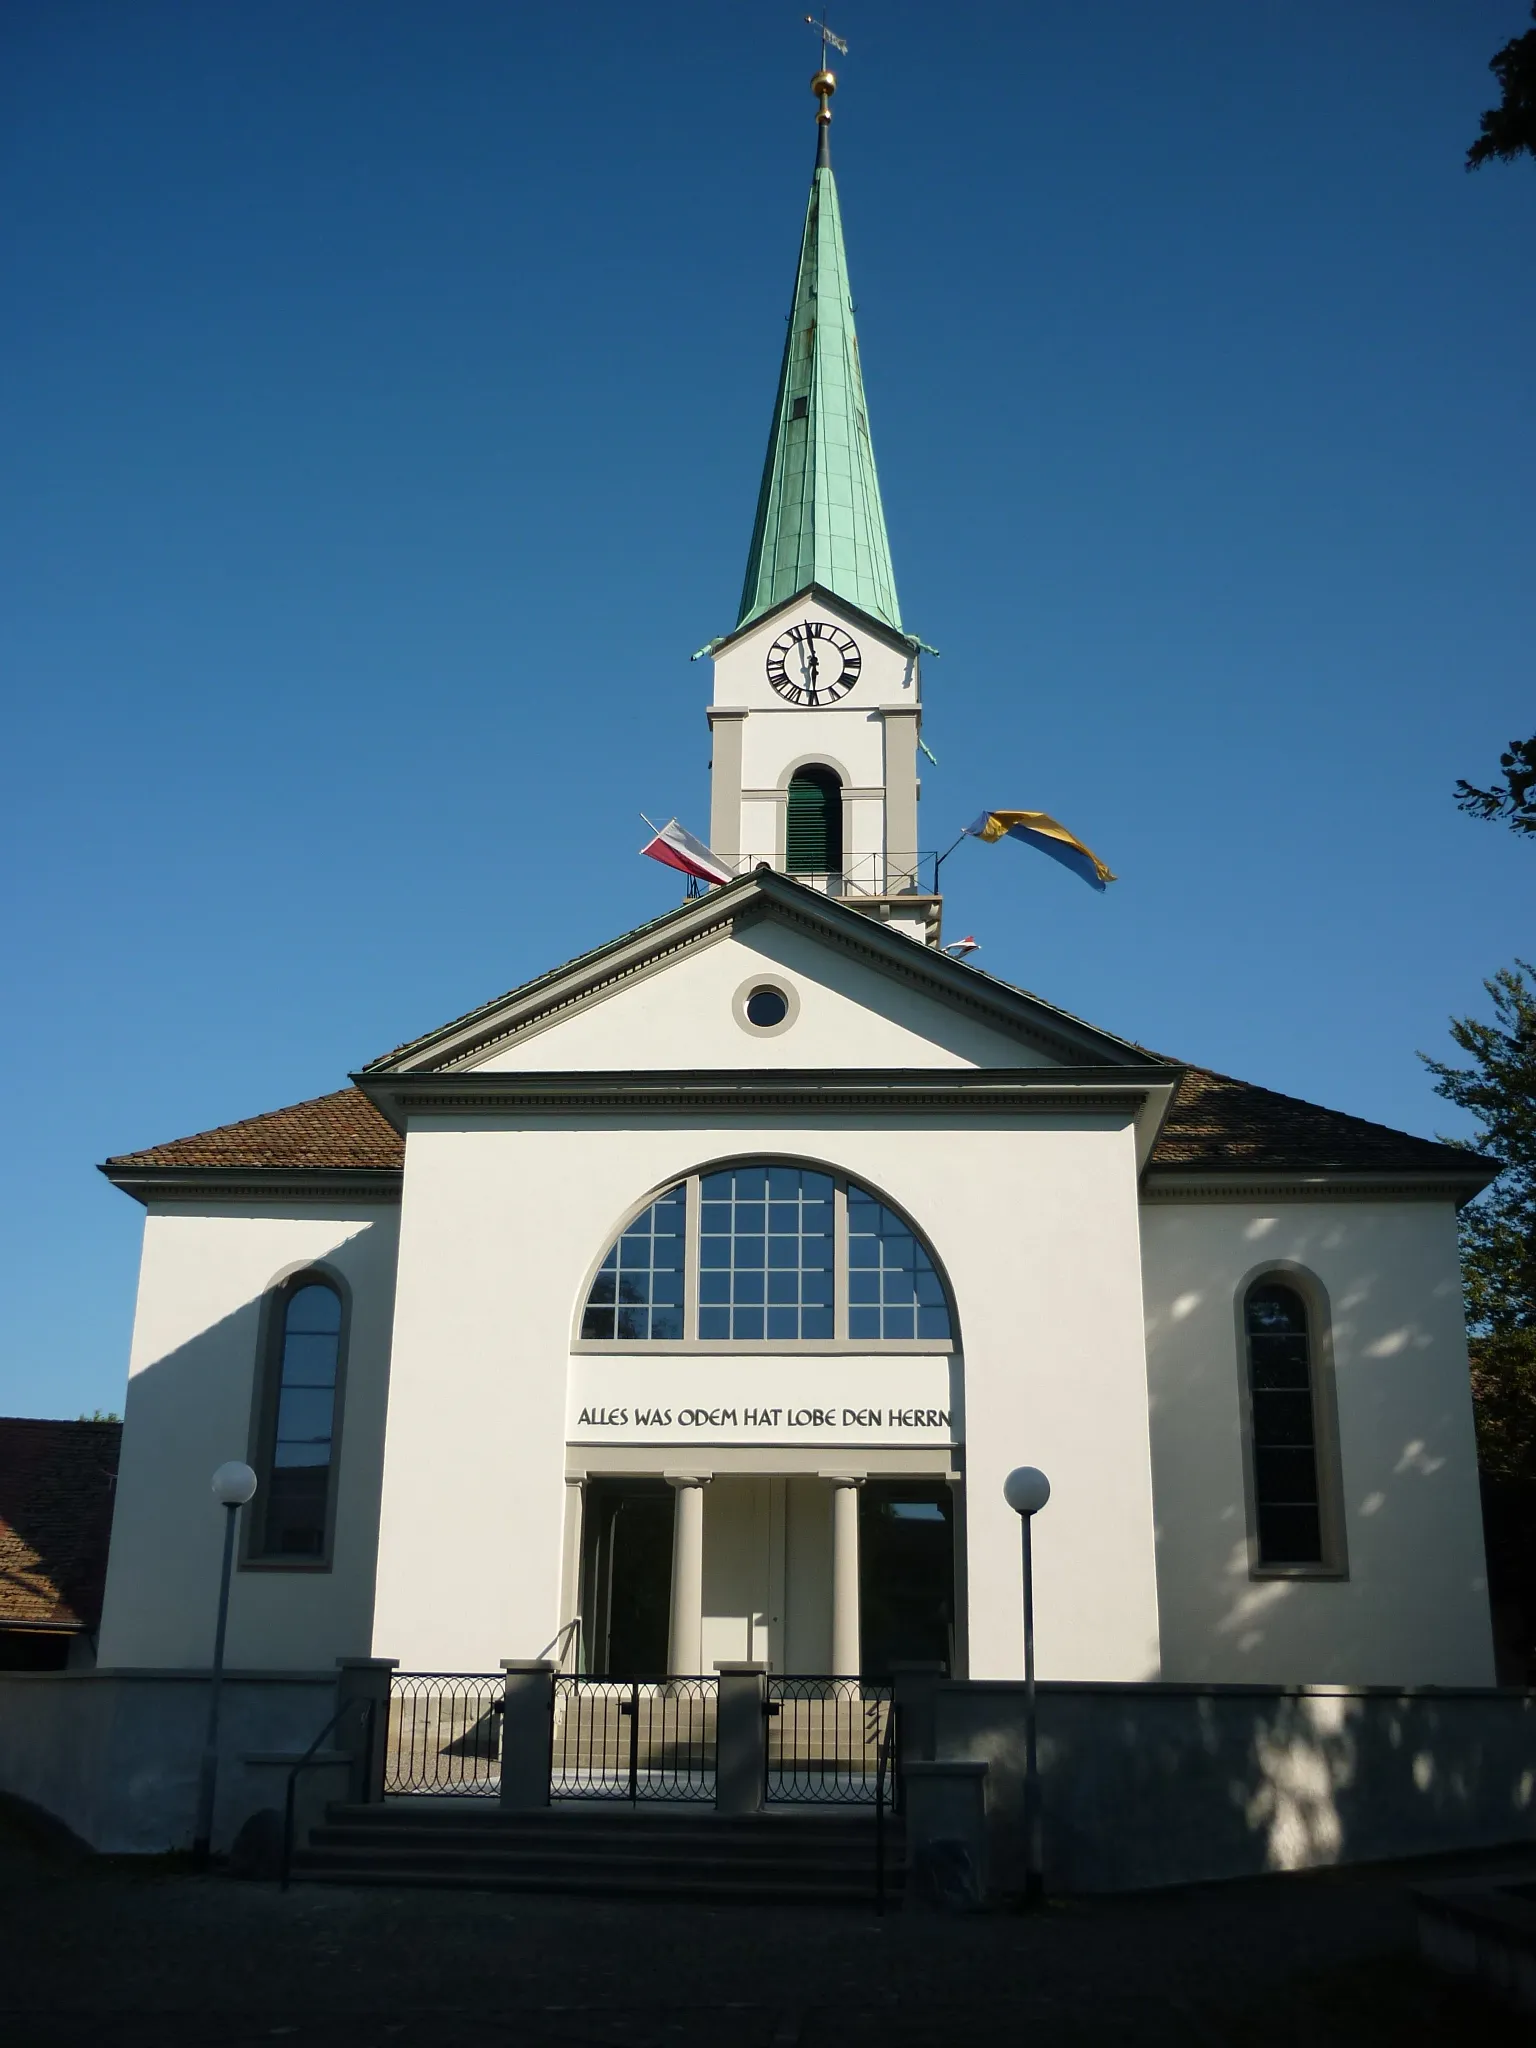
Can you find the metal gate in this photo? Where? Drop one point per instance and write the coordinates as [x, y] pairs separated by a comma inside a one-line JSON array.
[[825, 1738], [444, 1733], [633, 1738]]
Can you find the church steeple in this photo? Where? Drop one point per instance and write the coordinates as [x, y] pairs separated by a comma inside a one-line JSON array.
[[819, 516]]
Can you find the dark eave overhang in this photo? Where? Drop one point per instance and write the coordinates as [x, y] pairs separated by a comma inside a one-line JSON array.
[[1430, 1182], [329, 1184], [1141, 1094]]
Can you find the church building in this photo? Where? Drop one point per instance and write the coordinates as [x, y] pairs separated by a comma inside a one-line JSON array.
[[689, 1304]]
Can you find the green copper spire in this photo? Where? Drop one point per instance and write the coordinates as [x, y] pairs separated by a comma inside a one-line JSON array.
[[819, 517]]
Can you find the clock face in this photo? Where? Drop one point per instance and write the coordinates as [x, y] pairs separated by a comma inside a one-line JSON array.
[[814, 663]]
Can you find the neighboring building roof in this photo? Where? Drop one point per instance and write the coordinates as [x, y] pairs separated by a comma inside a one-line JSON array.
[[1215, 1123], [819, 515], [56, 1488]]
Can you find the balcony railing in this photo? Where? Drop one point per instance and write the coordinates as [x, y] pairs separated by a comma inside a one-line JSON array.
[[861, 874]]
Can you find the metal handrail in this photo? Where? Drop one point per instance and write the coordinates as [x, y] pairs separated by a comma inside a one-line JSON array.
[[558, 1643], [307, 1762], [858, 874], [885, 1767]]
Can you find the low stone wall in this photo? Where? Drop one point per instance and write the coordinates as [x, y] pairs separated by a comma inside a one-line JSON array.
[[114, 1755], [1147, 1785]]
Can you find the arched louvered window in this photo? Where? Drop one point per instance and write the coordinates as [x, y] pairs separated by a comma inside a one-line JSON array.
[[1283, 1411], [297, 1463], [813, 829], [767, 1252]]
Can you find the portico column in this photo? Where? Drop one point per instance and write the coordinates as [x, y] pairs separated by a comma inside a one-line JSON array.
[[845, 1575], [685, 1640]]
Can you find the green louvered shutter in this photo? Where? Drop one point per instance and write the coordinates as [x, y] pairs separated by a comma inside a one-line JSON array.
[[813, 834]]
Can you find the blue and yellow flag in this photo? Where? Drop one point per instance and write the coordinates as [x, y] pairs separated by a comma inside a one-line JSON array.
[[1040, 830]]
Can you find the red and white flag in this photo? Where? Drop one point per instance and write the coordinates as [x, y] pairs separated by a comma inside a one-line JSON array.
[[676, 847]]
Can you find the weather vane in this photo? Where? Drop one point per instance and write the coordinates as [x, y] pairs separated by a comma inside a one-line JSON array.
[[827, 37]]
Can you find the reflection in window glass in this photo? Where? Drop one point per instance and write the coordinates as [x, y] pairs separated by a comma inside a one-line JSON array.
[[1284, 1434], [765, 1253], [298, 1484], [638, 1291], [893, 1290]]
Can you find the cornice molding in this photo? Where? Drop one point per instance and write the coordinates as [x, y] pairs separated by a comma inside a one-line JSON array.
[[1138, 1095], [360, 1186]]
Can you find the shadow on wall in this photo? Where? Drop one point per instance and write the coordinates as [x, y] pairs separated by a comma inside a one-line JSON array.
[[1167, 1785], [189, 1411], [1396, 1455], [56, 1495]]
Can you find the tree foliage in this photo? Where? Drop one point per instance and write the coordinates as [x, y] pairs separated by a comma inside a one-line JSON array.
[[1498, 1230], [1509, 129], [1499, 1090], [1515, 800]]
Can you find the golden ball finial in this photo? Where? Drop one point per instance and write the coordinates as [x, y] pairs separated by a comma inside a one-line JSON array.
[[824, 84]]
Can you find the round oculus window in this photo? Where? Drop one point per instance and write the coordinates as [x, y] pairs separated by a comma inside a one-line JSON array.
[[767, 1007]]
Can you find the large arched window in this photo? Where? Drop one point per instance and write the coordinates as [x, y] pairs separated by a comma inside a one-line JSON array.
[[638, 1291], [1283, 1422], [813, 826], [768, 1253], [296, 1459]]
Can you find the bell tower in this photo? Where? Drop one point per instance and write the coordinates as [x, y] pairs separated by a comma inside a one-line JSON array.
[[817, 707]]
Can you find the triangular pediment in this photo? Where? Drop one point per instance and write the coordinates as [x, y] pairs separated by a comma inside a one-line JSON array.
[[818, 593], [670, 997]]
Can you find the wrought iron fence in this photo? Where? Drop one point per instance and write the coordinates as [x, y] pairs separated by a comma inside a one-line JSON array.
[[633, 1738], [824, 1740], [444, 1733]]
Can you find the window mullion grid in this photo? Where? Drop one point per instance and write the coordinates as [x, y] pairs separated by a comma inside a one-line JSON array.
[[840, 1260], [691, 1216]]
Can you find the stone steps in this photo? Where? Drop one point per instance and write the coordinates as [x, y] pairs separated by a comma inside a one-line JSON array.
[[828, 1858]]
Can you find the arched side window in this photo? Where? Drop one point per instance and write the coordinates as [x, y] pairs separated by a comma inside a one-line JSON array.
[[771, 1254], [296, 1461], [1282, 1398], [813, 825]]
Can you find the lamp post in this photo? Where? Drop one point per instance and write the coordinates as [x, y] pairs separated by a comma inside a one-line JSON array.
[[1026, 1491], [233, 1485]]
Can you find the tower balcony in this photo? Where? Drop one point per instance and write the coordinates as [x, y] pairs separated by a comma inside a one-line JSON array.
[[897, 888]]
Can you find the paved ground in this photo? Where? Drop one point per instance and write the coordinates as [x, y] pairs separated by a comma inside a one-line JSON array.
[[148, 1956]]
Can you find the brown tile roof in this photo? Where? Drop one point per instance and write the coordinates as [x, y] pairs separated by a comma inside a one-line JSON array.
[[333, 1131], [56, 1484], [1215, 1123]]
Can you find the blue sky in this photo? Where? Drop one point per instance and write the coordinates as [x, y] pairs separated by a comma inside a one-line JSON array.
[[383, 391]]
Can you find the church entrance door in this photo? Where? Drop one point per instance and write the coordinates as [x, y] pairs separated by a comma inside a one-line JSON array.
[[906, 1575], [632, 1569]]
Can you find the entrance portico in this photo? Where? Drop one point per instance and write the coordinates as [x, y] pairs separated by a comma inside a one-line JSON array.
[[824, 1565]]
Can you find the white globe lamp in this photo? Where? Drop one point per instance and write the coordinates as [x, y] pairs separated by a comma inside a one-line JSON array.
[[1026, 1490], [233, 1485]]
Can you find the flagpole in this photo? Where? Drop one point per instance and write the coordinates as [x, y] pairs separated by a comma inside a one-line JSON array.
[[940, 858]]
